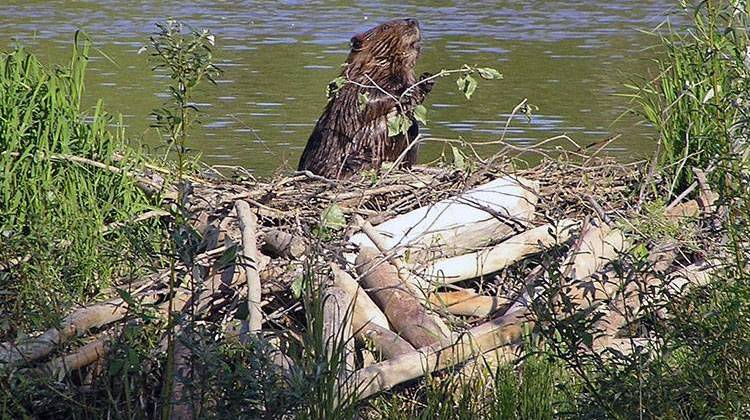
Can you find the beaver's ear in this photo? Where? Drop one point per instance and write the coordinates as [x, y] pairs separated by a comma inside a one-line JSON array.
[[357, 41]]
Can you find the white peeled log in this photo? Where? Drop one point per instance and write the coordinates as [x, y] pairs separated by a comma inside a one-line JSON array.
[[498, 257], [476, 218]]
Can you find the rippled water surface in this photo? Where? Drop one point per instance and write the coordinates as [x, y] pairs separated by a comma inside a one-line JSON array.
[[568, 58]]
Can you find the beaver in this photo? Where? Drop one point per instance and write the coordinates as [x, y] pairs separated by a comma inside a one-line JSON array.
[[352, 136]]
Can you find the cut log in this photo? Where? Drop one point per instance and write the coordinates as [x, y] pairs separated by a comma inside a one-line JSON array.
[[498, 334], [76, 324], [484, 215], [510, 251], [418, 286], [337, 330], [386, 342], [282, 244], [403, 310], [59, 367], [468, 303], [364, 311]]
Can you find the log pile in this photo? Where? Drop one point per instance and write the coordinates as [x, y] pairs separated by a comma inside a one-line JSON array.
[[427, 269]]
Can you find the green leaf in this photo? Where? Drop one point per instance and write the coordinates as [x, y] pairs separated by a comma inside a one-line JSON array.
[[362, 98], [467, 85], [459, 160], [333, 217], [420, 114], [398, 124], [227, 258], [489, 73], [297, 286], [334, 86]]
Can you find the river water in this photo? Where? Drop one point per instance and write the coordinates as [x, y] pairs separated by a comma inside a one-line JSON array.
[[567, 58]]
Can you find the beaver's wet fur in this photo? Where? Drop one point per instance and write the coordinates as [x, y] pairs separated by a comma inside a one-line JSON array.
[[348, 139]]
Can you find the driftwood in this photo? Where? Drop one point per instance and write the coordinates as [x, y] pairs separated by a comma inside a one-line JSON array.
[[404, 311], [498, 257], [484, 215]]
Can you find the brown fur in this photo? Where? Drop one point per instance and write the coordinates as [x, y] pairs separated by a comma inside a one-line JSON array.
[[346, 139]]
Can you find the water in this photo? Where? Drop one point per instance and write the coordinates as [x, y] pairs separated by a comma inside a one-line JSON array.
[[567, 58]]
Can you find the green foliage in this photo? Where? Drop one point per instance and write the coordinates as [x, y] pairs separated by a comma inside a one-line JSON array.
[[699, 101], [534, 390], [53, 208], [189, 60]]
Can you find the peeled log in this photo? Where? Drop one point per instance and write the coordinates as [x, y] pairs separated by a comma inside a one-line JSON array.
[[497, 334], [404, 311], [337, 329], [248, 222], [468, 303], [484, 215], [364, 310], [76, 324], [490, 260], [279, 243], [386, 342]]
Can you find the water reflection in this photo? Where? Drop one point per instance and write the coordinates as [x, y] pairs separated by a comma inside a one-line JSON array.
[[567, 58]]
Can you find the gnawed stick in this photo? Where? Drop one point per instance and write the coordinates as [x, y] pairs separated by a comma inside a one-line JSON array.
[[498, 257], [248, 222], [404, 311]]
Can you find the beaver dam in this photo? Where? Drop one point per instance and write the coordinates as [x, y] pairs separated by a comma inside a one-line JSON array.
[[418, 270]]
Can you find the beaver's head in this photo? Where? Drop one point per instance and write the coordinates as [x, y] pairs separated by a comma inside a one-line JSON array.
[[394, 44]]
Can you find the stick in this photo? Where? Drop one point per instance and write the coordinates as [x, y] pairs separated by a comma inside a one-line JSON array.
[[248, 221]]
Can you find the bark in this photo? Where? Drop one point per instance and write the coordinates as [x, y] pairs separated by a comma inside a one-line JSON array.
[[404, 311]]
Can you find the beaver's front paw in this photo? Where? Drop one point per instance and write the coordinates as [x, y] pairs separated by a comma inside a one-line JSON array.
[[426, 82]]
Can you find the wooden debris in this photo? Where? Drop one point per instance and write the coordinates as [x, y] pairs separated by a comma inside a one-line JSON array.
[[484, 215], [404, 311], [498, 257]]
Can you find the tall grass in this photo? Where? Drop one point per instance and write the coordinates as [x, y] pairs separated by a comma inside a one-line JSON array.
[[53, 210], [698, 99]]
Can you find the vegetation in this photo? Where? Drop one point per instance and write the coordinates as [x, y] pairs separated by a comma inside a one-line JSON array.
[[69, 219]]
